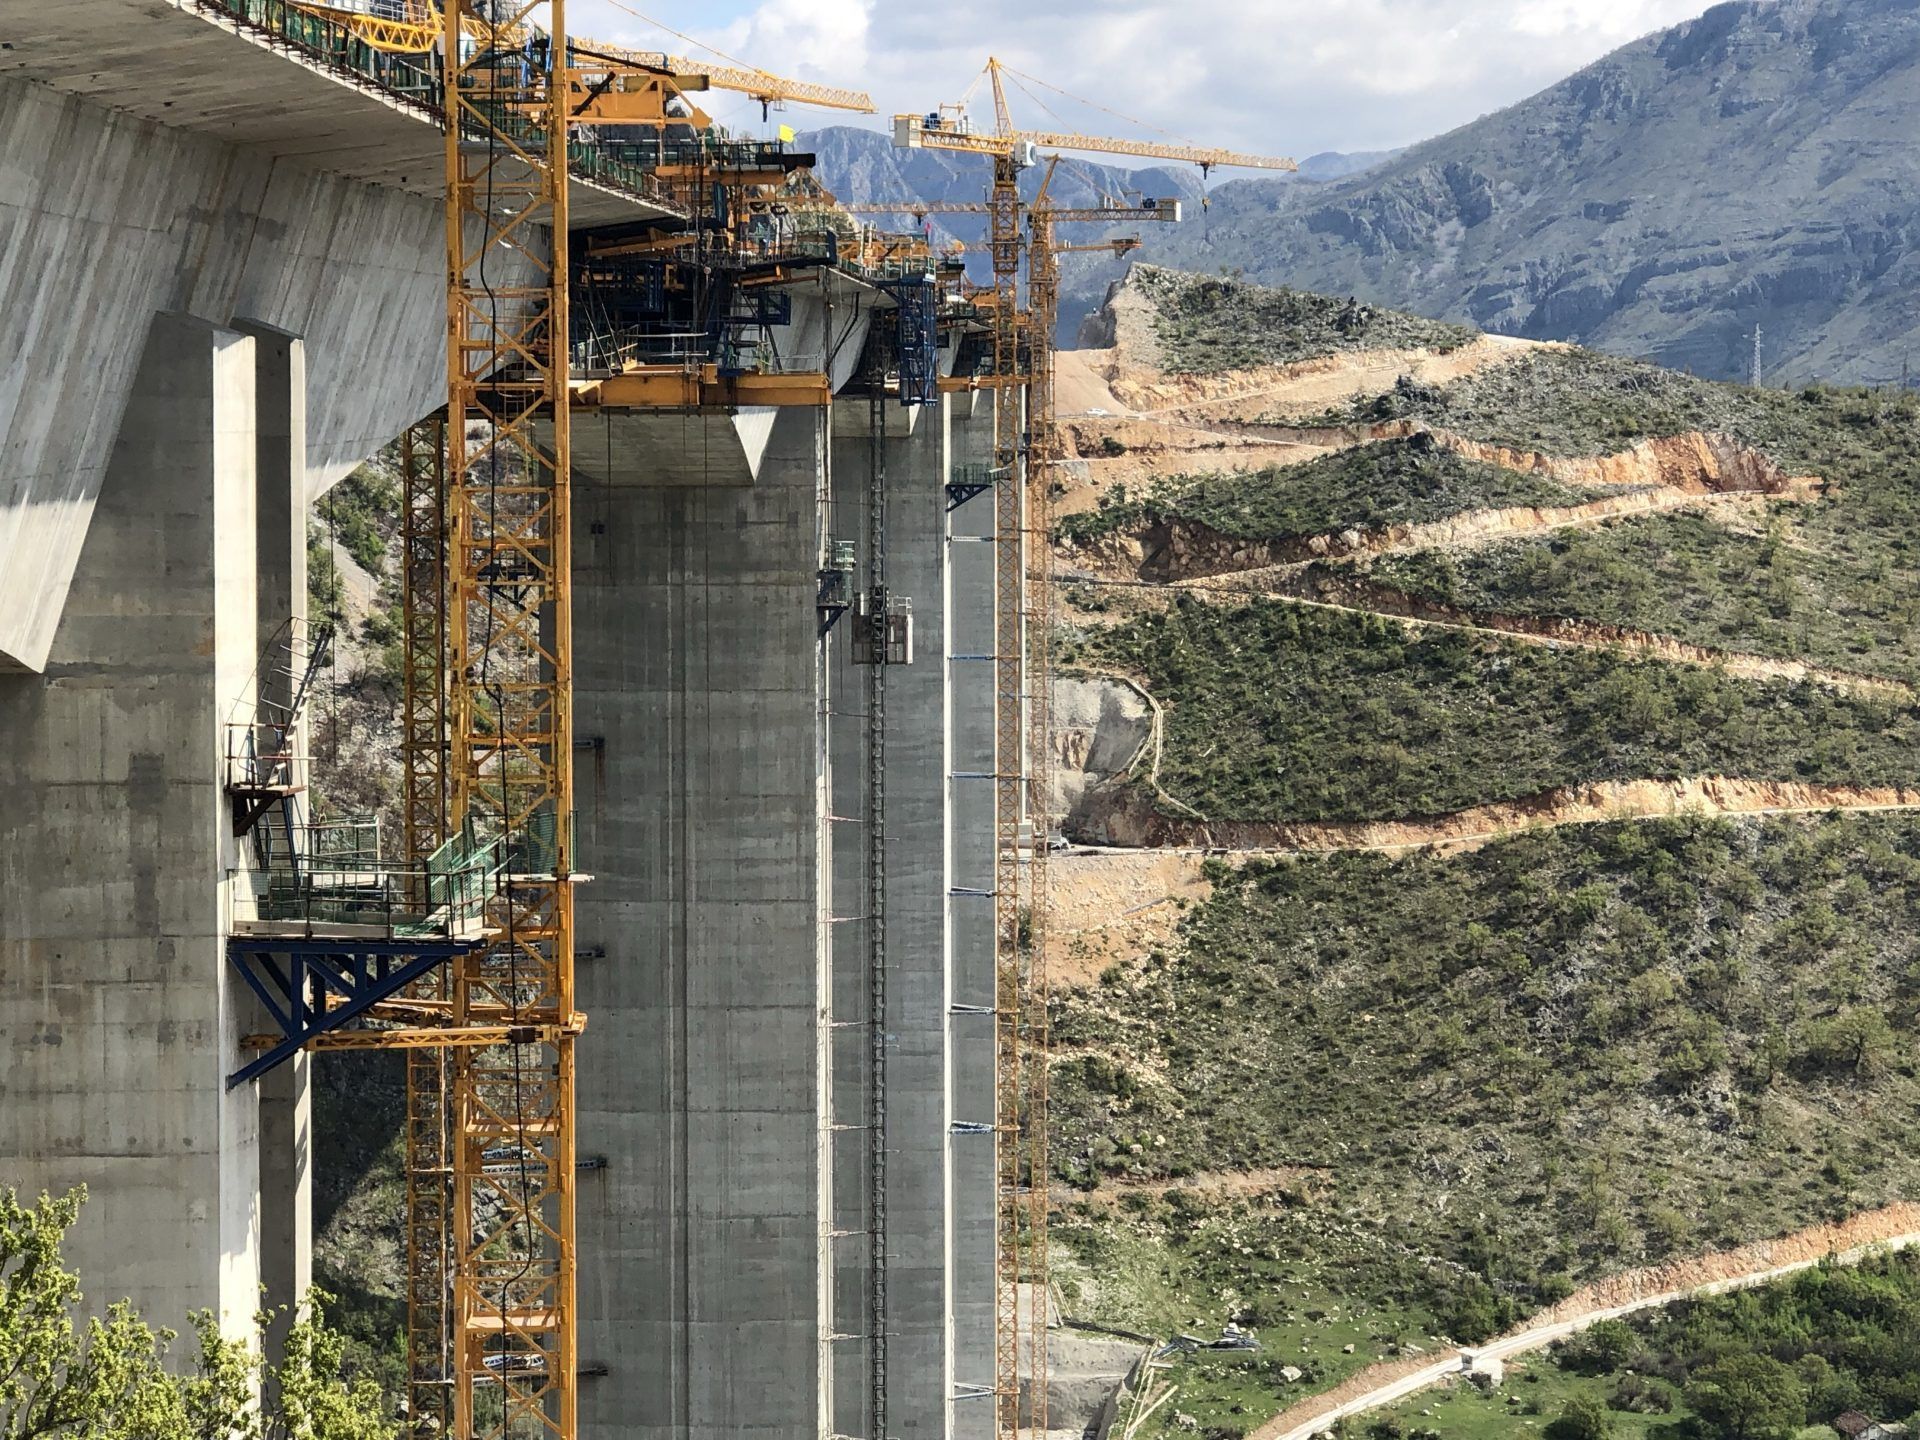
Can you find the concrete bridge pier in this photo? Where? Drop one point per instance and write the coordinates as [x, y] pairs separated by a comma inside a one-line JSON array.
[[916, 1140], [704, 1087], [119, 1017], [970, 837]]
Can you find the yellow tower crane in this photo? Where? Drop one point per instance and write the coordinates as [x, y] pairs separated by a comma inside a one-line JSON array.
[[487, 710], [1022, 719]]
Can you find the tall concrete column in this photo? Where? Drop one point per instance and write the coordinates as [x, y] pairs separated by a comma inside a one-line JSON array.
[[117, 1017], [286, 1107], [702, 1094], [916, 1138], [970, 722]]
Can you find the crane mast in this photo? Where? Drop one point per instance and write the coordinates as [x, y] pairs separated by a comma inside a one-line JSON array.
[[509, 663], [1009, 809]]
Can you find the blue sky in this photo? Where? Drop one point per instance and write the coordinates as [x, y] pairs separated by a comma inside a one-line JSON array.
[[1276, 76]]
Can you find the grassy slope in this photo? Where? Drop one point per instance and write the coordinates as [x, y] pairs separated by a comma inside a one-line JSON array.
[[1207, 324], [1837, 581], [1282, 713], [1493, 1076], [1391, 483], [1477, 1081]]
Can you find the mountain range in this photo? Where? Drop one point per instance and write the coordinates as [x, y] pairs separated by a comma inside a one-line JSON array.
[[1749, 168]]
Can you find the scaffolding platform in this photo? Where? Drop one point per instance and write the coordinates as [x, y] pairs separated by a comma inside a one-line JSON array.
[[333, 932]]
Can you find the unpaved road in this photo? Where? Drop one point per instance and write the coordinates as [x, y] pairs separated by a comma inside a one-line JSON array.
[[1595, 803], [1895, 1228]]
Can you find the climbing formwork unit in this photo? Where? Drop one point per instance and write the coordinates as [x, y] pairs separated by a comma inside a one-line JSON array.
[[509, 664]]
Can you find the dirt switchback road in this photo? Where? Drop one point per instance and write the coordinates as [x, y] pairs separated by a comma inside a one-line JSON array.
[[1897, 1227]]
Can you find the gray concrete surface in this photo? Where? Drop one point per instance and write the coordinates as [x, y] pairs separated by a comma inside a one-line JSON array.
[[703, 1078], [118, 1020], [917, 1140], [191, 67], [105, 220], [157, 160], [280, 609], [970, 641]]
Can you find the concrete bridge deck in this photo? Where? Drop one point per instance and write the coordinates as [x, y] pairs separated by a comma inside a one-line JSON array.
[[162, 157]]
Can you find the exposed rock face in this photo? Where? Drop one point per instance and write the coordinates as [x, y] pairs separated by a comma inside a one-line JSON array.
[[1099, 727], [1749, 167]]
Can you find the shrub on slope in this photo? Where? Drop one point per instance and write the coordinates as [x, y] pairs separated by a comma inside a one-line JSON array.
[[1390, 483], [1837, 581], [1206, 324]]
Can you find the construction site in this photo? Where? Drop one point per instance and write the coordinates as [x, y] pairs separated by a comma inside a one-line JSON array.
[[715, 934]]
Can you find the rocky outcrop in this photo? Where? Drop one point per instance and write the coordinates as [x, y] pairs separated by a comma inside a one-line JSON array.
[[1101, 727]]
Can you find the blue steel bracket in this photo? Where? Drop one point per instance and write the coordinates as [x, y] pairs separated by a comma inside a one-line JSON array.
[[310, 987], [959, 492]]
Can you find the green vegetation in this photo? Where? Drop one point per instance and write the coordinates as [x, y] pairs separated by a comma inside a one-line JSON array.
[[1837, 581], [1685, 575], [1394, 482], [1477, 1081], [108, 1379], [1580, 402], [362, 513], [1278, 712], [1207, 324], [1450, 1090], [1762, 1364], [359, 1207]]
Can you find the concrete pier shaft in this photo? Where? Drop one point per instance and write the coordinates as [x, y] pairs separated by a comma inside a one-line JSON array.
[[703, 1085], [119, 1021], [917, 1137]]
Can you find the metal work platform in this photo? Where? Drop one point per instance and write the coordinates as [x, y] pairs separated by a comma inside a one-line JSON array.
[[333, 932]]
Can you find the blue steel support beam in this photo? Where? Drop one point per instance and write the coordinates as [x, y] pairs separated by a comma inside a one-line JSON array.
[[361, 974]]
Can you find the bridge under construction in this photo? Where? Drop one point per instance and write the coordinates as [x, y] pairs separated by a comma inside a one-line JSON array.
[[715, 935]]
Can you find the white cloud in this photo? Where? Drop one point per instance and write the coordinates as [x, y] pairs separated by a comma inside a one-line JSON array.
[[1293, 76]]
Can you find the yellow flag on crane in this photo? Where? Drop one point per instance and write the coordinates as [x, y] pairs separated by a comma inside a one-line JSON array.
[[786, 134]]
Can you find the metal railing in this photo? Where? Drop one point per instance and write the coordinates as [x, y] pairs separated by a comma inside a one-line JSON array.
[[710, 148], [333, 876], [259, 756], [414, 80]]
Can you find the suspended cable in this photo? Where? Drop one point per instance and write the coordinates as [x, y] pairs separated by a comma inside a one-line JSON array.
[[1036, 99], [682, 35], [1096, 105]]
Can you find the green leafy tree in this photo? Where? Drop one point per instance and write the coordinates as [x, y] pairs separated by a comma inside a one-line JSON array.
[[1600, 1349], [108, 1380], [1749, 1397], [56, 1377], [1859, 1039], [315, 1402], [1585, 1418]]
